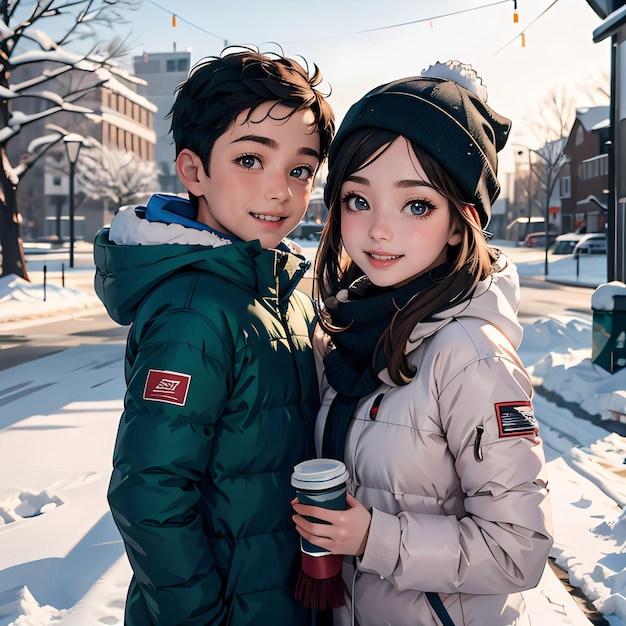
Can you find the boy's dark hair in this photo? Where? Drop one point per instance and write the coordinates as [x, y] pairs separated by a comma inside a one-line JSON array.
[[218, 89]]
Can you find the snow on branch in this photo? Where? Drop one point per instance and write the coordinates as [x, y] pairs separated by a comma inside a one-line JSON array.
[[114, 174], [40, 38]]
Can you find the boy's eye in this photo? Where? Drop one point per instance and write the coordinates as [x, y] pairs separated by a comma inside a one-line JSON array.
[[304, 172], [249, 161], [356, 203], [418, 207]]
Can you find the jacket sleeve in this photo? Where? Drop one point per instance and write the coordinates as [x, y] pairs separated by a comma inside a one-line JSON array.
[[501, 543], [177, 385]]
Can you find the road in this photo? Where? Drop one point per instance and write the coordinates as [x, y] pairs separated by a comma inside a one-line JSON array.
[[43, 337], [544, 299]]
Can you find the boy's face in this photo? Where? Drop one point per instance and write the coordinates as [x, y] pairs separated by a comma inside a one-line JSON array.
[[261, 175]]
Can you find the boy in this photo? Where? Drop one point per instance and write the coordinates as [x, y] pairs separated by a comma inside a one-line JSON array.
[[221, 386]]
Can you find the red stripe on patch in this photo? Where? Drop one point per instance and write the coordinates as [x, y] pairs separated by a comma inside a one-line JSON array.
[[164, 386], [516, 419]]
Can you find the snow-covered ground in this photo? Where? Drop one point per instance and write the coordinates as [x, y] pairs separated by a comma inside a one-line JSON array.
[[62, 561]]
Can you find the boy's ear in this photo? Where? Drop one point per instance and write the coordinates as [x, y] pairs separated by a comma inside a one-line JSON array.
[[190, 170]]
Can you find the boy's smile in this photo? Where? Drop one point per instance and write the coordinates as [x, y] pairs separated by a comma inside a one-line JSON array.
[[261, 174]]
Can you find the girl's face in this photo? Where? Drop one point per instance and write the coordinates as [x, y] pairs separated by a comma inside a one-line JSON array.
[[394, 224]]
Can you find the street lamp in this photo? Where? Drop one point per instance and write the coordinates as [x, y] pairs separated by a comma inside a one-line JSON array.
[[73, 143], [547, 207], [530, 172]]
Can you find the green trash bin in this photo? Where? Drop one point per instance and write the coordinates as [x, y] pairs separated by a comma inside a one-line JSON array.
[[608, 336]]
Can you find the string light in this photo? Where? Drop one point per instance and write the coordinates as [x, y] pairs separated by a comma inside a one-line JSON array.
[[430, 21], [427, 19], [176, 18], [522, 34]]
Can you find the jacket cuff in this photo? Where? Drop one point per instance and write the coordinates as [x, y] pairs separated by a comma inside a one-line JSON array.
[[382, 549]]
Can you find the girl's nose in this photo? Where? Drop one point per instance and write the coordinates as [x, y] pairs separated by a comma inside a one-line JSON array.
[[379, 230]]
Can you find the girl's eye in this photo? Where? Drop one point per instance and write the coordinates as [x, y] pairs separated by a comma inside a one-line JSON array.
[[304, 172], [419, 208], [249, 161], [355, 203]]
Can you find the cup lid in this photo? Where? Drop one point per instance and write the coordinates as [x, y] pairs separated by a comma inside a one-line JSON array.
[[320, 473]]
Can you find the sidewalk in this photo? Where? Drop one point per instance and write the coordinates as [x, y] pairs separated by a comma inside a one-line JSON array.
[[55, 289], [70, 291], [60, 547]]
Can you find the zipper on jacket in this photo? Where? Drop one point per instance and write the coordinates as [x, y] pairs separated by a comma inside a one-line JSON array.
[[284, 318], [282, 308], [376, 406], [478, 453]]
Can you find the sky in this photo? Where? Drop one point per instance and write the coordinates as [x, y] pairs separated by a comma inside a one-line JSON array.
[[403, 37], [62, 562]]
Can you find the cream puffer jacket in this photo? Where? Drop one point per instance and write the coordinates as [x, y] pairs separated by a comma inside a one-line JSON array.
[[453, 471]]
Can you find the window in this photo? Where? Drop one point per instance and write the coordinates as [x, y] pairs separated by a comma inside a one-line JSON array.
[[580, 135], [170, 65]]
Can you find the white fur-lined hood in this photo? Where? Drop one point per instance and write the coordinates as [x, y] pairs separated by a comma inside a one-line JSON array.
[[128, 229]]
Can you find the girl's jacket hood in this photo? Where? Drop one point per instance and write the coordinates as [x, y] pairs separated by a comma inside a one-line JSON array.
[[135, 254], [496, 301]]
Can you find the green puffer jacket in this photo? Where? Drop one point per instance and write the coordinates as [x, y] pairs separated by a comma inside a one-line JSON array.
[[220, 405]]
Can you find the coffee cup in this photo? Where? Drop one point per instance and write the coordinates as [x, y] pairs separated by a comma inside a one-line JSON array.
[[320, 482]]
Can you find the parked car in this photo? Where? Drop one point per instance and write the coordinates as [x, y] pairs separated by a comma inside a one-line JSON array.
[[592, 243], [566, 243], [538, 240], [307, 230]]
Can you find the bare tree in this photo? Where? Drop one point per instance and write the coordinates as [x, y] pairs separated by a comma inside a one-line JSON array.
[[105, 173], [550, 128], [596, 88], [23, 43]]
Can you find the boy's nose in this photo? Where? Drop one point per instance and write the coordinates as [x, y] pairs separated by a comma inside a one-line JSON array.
[[278, 189]]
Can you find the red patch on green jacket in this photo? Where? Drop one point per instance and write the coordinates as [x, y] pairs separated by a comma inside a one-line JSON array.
[[164, 386]]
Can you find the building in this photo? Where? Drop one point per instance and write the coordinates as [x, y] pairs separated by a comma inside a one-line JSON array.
[[120, 119], [613, 26], [584, 180], [535, 191], [162, 73]]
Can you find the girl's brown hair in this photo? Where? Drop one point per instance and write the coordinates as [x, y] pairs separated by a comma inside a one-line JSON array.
[[470, 261]]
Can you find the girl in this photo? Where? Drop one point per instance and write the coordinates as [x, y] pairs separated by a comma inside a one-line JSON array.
[[425, 397]]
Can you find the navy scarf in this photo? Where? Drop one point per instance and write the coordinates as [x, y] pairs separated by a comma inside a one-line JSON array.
[[352, 367]]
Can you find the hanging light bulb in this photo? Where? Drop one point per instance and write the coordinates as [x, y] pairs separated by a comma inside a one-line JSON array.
[[523, 40], [515, 15], [173, 20]]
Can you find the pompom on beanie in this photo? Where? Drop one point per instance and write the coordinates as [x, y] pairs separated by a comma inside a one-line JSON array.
[[444, 110]]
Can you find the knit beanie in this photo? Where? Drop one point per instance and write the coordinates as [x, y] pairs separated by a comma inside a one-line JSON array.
[[444, 110]]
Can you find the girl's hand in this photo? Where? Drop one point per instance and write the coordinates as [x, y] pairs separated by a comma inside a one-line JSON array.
[[346, 531]]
